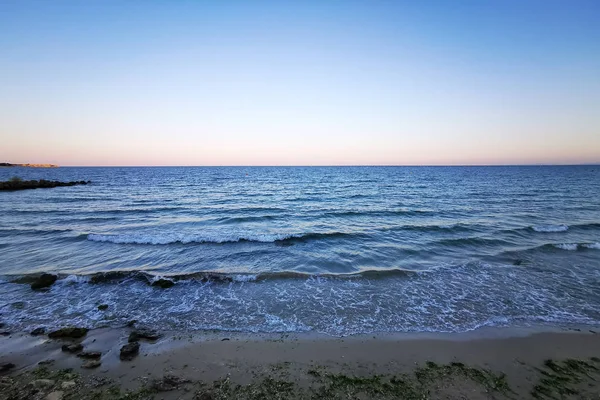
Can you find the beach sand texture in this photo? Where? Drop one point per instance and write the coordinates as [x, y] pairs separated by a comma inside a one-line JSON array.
[[488, 364]]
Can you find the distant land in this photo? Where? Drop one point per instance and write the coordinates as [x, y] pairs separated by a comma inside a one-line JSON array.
[[29, 165]]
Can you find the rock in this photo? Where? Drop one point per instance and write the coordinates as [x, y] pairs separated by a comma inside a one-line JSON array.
[[19, 184], [5, 333], [44, 281], [72, 348], [163, 283], [143, 333], [42, 383], [129, 351], [102, 307], [131, 323], [91, 364], [38, 331], [224, 339], [204, 396], [5, 367], [90, 354], [70, 332], [46, 362], [68, 385], [167, 383], [57, 395]]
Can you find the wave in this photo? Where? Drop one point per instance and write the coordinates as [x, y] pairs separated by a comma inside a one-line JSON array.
[[566, 246], [577, 246], [208, 276], [14, 231], [378, 213], [164, 239], [550, 228], [237, 220]]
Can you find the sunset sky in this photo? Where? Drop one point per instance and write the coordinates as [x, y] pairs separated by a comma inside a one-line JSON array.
[[299, 83]]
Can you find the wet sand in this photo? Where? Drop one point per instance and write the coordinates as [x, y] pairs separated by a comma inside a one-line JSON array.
[[246, 359]]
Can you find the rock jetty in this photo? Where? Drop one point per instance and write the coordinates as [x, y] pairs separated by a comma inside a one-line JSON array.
[[19, 184]]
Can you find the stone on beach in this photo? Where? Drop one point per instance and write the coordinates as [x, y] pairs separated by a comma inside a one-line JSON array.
[[168, 382], [129, 351], [69, 332], [72, 348], [42, 383], [6, 367], [90, 354], [57, 395], [91, 364], [38, 331], [143, 333]]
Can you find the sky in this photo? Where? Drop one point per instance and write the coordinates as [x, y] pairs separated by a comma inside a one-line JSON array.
[[300, 83]]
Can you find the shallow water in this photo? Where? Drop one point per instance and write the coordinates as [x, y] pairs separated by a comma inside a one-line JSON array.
[[338, 250]]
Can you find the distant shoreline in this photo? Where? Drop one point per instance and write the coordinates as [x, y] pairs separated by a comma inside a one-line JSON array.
[[29, 165]]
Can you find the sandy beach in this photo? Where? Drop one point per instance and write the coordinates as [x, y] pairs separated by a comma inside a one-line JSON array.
[[488, 363]]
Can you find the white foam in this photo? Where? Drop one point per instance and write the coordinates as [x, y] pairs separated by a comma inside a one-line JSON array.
[[185, 239], [566, 246], [550, 228], [73, 279], [592, 246], [243, 278]]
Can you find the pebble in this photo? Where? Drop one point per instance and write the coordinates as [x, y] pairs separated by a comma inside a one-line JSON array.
[[42, 383], [68, 384], [91, 364], [58, 395]]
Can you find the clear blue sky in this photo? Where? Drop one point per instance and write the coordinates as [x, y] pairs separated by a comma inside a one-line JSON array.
[[299, 83]]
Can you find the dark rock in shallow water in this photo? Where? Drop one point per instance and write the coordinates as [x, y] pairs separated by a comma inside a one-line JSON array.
[[163, 283], [72, 348], [5, 333], [102, 307], [38, 331], [90, 354], [143, 334], [131, 323], [19, 184], [70, 332], [129, 351], [6, 367], [44, 281]]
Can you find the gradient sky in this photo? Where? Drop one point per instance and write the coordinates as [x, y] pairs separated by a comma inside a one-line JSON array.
[[299, 83]]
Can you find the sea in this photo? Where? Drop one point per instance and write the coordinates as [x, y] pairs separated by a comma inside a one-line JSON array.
[[331, 250]]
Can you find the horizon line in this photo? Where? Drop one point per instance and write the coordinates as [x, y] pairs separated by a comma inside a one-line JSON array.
[[321, 166]]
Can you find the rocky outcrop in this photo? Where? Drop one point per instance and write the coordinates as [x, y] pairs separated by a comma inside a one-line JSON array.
[[129, 351], [19, 184], [44, 281], [6, 367], [70, 332], [90, 355], [91, 364], [5, 164], [103, 307], [163, 283], [72, 348], [38, 331], [143, 333]]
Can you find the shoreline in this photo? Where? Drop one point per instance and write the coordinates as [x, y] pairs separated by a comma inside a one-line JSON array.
[[245, 359]]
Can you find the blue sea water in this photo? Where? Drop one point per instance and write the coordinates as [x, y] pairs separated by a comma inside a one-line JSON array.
[[336, 250]]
